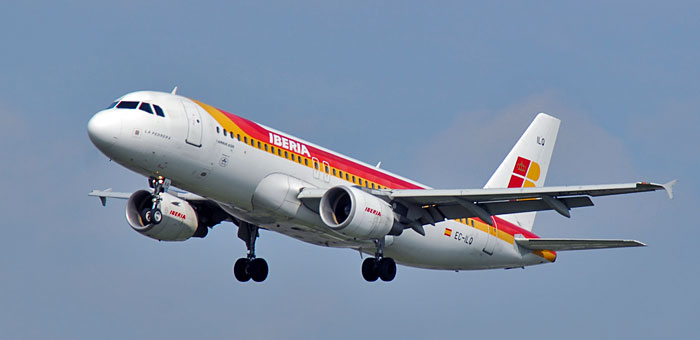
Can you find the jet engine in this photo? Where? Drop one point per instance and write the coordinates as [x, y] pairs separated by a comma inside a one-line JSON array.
[[178, 219], [355, 213]]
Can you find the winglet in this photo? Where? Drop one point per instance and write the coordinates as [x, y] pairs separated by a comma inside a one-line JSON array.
[[108, 193], [669, 188], [103, 199]]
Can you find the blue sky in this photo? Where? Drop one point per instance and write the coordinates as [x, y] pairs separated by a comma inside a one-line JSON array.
[[437, 93]]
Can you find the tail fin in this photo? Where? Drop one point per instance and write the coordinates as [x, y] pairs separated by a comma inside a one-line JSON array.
[[527, 163]]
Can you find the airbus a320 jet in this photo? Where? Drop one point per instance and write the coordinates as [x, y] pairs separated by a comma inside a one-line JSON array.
[[206, 166]]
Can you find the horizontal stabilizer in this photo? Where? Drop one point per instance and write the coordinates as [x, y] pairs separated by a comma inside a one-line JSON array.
[[560, 244]]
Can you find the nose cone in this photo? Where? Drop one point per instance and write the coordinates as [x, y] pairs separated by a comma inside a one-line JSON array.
[[104, 129]]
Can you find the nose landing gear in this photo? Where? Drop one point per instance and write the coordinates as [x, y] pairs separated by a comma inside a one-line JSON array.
[[250, 267], [379, 267], [154, 215]]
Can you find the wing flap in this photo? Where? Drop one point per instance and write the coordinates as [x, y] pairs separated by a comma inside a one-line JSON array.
[[561, 244], [455, 211]]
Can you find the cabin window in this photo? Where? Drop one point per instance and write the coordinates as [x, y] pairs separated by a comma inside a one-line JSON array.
[[245, 139], [252, 142], [217, 129], [279, 152], [306, 161], [259, 146], [286, 155], [225, 135], [265, 147], [347, 178], [334, 172], [238, 136]]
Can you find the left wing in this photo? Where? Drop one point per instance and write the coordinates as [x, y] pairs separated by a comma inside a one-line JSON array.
[[427, 206], [559, 244]]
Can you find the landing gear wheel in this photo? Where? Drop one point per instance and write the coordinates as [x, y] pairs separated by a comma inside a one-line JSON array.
[[258, 270], [369, 269], [146, 216], [240, 270], [387, 269], [156, 216]]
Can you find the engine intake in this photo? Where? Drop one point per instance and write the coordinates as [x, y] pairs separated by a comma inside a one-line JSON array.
[[179, 221], [355, 213]]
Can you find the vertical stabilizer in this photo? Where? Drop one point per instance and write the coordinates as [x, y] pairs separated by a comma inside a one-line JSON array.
[[527, 163]]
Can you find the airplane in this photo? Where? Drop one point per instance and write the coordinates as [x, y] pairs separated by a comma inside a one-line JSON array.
[[206, 166]]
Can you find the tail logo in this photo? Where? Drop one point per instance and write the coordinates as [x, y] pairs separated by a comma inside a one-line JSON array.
[[525, 173]]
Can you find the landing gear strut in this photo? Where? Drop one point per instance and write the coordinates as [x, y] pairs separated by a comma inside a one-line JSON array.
[[379, 267], [249, 267], [154, 215]]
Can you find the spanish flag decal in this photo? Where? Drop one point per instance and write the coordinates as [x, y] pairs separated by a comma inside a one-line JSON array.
[[448, 232], [525, 173]]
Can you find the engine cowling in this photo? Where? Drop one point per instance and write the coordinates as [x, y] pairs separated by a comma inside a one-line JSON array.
[[179, 221], [355, 213]]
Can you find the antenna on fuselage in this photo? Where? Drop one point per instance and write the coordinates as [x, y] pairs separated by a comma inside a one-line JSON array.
[[174, 91], [378, 165]]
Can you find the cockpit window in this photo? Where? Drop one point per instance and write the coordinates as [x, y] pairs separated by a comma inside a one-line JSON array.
[[127, 105], [159, 111], [112, 106], [146, 107]]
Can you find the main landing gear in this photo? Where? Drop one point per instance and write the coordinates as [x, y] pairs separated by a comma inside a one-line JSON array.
[[153, 215], [379, 267], [249, 267]]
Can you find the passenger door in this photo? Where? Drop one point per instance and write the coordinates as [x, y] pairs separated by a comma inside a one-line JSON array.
[[194, 127]]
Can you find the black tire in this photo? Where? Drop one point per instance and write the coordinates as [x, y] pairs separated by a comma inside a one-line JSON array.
[[258, 270], [387, 269], [156, 216], [240, 269], [146, 216], [369, 269]]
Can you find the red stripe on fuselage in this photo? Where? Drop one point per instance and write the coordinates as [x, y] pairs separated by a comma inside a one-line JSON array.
[[258, 132]]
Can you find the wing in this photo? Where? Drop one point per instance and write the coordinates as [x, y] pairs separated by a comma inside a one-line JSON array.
[[427, 206], [484, 203], [103, 195], [559, 244]]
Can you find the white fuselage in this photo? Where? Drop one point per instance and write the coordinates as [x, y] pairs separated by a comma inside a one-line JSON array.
[[258, 183]]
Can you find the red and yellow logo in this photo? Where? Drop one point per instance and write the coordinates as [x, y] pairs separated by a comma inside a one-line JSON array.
[[448, 232], [525, 173]]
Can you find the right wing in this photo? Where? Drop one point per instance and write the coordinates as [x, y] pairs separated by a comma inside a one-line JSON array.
[[103, 195]]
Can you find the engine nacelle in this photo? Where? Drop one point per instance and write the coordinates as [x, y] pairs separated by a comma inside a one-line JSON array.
[[179, 220], [355, 213]]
